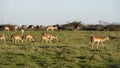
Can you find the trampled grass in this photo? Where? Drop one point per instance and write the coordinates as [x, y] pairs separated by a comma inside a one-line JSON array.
[[72, 51]]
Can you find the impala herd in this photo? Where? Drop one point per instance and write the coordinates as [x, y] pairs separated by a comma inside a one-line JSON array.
[[45, 37], [29, 37]]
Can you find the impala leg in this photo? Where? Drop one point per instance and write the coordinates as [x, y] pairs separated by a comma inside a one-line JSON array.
[[93, 43], [102, 44], [98, 45], [41, 40]]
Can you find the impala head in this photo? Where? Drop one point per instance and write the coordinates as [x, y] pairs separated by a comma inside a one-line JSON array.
[[56, 38], [56, 27], [21, 40], [34, 39]]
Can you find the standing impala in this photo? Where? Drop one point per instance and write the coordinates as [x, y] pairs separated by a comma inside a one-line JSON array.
[[99, 39], [16, 38], [22, 31]]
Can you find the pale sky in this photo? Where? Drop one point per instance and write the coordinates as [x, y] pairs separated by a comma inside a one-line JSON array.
[[49, 12]]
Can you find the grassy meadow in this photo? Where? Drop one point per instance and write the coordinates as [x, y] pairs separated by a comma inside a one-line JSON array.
[[72, 51]]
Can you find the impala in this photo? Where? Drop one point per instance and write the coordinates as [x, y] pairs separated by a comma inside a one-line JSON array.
[[48, 37], [22, 31], [52, 28], [98, 39], [16, 38], [15, 27], [6, 28], [28, 37], [2, 37]]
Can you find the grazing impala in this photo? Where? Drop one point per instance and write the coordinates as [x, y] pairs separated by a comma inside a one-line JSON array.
[[16, 38], [28, 37], [52, 28], [6, 28], [2, 37], [99, 39], [48, 37]]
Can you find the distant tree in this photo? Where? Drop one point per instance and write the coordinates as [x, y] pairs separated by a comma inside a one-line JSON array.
[[72, 25], [112, 27], [104, 23]]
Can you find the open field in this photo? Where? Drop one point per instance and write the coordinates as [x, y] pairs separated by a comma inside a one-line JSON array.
[[72, 51]]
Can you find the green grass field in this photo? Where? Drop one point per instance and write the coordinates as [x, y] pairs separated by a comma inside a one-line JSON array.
[[72, 51]]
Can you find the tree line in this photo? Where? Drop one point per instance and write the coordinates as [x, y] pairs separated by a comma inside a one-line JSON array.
[[75, 25]]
